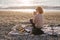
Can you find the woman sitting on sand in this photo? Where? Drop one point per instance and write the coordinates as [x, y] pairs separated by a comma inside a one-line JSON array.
[[37, 21]]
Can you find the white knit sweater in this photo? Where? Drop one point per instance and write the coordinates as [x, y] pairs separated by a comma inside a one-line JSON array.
[[38, 20]]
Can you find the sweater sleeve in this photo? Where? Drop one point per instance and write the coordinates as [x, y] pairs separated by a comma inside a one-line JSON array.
[[35, 19]]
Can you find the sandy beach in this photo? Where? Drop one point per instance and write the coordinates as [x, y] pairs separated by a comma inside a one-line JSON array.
[[8, 19]]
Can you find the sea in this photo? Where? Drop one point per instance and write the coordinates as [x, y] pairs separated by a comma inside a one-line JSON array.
[[49, 5]]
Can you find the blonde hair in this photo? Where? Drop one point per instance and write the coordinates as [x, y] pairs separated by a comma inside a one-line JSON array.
[[39, 9]]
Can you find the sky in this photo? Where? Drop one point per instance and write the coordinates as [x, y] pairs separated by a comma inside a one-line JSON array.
[[29, 2], [13, 3]]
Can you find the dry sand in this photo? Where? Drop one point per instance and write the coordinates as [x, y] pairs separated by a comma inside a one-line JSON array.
[[8, 19]]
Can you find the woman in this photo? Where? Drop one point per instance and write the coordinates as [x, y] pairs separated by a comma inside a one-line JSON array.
[[37, 22], [38, 19]]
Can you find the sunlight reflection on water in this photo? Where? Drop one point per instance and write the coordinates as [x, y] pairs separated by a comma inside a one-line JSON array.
[[28, 10]]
